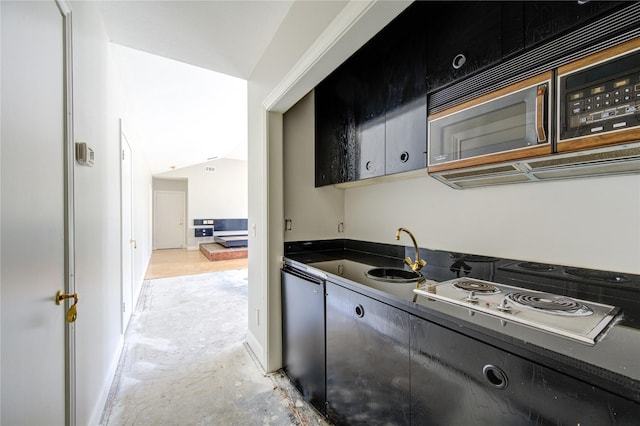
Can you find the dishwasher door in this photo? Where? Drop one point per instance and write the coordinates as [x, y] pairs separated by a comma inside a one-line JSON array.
[[303, 334]]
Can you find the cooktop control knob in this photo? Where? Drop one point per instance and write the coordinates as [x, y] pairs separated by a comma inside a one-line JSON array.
[[504, 306], [472, 297]]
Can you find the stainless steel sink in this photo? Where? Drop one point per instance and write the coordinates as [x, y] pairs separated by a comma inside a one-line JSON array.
[[393, 275]]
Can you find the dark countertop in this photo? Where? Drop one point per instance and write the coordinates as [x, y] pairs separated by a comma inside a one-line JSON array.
[[612, 363]]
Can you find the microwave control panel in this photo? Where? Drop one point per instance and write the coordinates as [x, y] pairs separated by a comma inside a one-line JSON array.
[[607, 98]]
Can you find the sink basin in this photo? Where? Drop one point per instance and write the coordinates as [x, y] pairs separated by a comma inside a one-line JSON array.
[[393, 275]]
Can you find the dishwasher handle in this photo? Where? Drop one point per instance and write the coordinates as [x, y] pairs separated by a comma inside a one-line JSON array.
[[302, 274]]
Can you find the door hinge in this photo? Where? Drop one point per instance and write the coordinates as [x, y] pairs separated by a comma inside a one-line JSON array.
[[124, 307], [123, 155]]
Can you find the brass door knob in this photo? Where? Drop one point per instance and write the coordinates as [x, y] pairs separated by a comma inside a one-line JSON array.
[[72, 313]]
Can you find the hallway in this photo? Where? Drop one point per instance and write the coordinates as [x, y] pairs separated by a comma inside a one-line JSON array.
[[185, 360]]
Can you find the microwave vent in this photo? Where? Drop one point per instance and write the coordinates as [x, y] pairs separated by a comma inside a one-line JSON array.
[[480, 172], [598, 169], [616, 160], [587, 158], [495, 180]]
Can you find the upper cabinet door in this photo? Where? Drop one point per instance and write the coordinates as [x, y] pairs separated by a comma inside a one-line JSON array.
[[405, 83], [463, 38], [335, 125], [544, 20], [368, 71]]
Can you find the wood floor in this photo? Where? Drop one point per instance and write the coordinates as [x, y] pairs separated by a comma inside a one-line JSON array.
[[177, 262]]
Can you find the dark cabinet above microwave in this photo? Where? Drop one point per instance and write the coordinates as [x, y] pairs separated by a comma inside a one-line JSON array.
[[544, 20], [466, 37]]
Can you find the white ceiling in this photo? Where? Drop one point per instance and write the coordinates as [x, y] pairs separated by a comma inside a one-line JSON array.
[[182, 114], [183, 66]]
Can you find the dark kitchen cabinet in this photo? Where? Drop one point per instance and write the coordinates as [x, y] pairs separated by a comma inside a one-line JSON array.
[[544, 20], [371, 112], [367, 350], [335, 127], [463, 38], [369, 105], [405, 98], [459, 380]]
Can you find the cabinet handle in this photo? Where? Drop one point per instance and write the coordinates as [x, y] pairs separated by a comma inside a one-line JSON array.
[[360, 311], [458, 61], [540, 104], [369, 165], [404, 157], [496, 377]]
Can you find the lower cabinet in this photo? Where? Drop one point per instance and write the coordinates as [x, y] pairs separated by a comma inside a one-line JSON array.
[[387, 367], [457, 380], [367, 360]]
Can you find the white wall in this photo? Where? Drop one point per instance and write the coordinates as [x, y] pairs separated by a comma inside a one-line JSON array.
[[221, 194], [98, 106], [591, 223], [314, 212]]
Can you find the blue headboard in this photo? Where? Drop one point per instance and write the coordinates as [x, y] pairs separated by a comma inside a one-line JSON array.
[[231, 224]]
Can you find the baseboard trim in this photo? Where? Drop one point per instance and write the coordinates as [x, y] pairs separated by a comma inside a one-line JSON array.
[[99, 407], [256, 349]]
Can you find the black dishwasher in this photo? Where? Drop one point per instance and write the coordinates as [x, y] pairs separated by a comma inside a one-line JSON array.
[[303, 334]]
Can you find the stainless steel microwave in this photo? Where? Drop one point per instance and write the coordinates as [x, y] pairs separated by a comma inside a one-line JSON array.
[[509, 124], [599, 99]]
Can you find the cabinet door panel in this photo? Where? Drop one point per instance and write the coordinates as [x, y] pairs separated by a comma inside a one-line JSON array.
[[547, 19], [369, 110], [512, 28], [367, 360], [406, 100], [470, 29], [407, 137], [335, 126], [459, 380]]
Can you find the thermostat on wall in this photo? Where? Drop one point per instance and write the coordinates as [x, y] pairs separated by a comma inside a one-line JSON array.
[[84, 154]]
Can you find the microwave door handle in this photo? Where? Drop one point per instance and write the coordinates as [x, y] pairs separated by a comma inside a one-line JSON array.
[[540, 105]]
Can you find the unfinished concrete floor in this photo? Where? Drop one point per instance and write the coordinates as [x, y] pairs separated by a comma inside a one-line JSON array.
[[185, 361]]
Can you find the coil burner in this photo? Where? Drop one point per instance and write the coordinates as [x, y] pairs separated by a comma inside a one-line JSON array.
[[479, 287], [550, 303]]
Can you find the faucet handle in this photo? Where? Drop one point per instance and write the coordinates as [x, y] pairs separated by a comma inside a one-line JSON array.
[[416, 266], [409, 262]]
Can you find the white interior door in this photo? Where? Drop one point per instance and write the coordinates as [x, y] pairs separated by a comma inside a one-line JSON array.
[[128, 239], [34, 331], [169, 218]]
